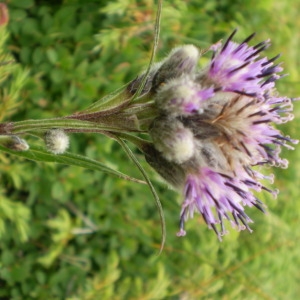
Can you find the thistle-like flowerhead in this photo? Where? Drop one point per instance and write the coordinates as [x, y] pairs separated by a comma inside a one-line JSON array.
[[215, 131], [239, 68]]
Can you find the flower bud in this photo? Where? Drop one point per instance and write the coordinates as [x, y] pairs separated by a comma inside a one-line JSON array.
[[173, 173], [15, 143], [181, 60], [172, 139], [56, 141], [135, 84], [182, 96]]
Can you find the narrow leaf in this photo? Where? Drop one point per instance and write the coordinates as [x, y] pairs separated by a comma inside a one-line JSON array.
[[40, 154], [153, 191], [109, 102]]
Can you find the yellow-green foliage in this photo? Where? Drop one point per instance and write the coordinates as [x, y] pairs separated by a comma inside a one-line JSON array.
[[73, 233]]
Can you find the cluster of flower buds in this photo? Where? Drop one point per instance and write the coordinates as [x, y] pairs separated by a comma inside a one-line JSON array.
[[214, 129], [56, 141]]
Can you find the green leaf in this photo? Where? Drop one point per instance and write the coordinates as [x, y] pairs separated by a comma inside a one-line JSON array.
[[153, 191], [40, 154], [82, 30], [109, 102], [22, 4], [38, 55], [52, 55], [116, 7]]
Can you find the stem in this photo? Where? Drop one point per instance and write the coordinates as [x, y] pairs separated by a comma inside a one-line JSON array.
[[74, 124], [154, 48], [137, 141], [116, 100], [37, 125]]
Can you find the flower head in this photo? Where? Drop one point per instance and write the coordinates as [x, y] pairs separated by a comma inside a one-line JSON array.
[[215, 131], [217, 197], [239, 68]]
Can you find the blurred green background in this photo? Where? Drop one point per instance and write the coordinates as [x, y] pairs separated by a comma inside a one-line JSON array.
[[70, 233]]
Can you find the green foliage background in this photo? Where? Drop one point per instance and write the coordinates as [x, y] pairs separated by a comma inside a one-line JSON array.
[[72, 233]]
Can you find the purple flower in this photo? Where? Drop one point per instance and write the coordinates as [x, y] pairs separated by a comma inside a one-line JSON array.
[[215, 128], [238, 68], [217, 197], [222, 179], [246, 136]]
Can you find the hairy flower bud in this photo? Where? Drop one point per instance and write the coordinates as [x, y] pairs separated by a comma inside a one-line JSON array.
[[56, 141], [15, 143], [171, 172], [181, 60], [172, 139], [182, 96], [135, 84]]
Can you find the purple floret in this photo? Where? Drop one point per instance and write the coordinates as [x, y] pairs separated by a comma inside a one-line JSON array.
[[217, 197], [238, 68], [229, 109]]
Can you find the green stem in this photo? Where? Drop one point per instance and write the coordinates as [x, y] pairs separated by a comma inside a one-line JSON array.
[[154, 48], [137, 141], [63, 123], [118, 98]]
